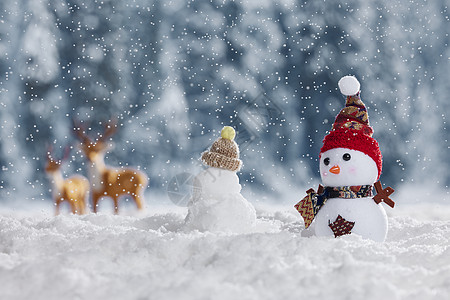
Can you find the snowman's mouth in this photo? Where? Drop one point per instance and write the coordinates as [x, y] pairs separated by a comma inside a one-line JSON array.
[[335, 169]]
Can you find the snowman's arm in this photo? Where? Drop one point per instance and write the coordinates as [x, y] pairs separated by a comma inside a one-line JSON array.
[[383, 194]]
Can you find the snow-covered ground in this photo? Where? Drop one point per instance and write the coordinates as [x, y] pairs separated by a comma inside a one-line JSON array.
[[152, 256]]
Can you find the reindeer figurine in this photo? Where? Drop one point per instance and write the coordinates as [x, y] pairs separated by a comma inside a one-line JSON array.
[[107, 181], [74, 189]]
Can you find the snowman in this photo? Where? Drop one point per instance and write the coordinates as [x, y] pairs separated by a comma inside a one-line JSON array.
[[217, 204], [350, 166]]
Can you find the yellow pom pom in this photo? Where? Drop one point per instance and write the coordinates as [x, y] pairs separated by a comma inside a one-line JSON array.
[[228, 133]]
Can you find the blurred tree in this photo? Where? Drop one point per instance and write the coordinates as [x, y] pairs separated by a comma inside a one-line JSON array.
[[173, 73]]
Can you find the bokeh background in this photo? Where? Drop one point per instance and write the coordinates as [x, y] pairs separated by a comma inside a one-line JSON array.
[[174, 72]]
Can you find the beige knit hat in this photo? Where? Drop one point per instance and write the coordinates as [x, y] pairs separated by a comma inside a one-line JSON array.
[[224, 152]]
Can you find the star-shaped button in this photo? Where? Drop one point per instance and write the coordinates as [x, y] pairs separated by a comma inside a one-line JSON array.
[[341, 226]]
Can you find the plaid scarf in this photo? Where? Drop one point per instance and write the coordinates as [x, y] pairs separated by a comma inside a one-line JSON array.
[[348, 192], [309, 206]]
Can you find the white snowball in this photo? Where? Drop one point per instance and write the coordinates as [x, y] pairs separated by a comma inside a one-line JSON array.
[[361, 169], [370, 218], [349, 85], [217, 204]]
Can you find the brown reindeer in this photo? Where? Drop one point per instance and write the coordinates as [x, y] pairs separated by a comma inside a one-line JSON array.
[[107, 181], [73, 190]]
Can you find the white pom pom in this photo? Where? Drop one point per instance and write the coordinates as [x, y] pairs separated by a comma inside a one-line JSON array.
[[349, 85]]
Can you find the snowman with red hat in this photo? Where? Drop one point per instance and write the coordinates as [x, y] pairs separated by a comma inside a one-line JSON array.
[[350, 166]]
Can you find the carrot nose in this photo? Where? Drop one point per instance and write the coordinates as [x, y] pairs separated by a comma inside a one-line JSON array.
[[335, 169]]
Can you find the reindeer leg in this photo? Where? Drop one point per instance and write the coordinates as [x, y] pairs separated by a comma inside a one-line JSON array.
[[80, 207], [95, 199], [139, 199], [116, 205], [57, 202], [73, 206], [85, 198]]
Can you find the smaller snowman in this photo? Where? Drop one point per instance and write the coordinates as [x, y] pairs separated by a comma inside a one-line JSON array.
[[350, 165], [217, 204]]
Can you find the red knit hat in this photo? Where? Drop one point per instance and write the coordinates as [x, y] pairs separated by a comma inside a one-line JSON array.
[[351, 128]]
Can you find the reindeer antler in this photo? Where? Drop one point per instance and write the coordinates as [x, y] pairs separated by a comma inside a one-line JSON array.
[[80, 132], [49, 151], [110, 129], [51, 156], [66, 153]]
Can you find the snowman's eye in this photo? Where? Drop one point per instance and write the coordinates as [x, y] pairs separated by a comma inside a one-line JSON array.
[[346, 157], [326, 161]]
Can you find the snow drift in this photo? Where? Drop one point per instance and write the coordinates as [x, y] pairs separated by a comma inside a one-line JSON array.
[[153, 256]]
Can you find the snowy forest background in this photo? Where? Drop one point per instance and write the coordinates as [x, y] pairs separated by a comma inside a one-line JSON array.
[[174, 72]]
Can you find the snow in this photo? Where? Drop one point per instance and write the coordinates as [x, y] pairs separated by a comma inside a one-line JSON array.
[[152, 256]]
